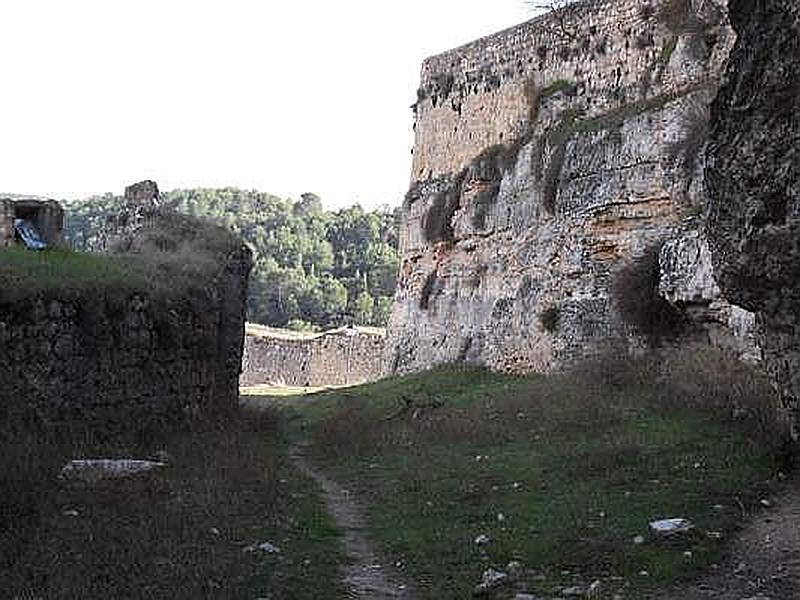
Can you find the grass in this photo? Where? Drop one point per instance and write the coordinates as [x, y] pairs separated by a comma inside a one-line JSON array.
[[561, 472], [172, 258], [179, 534], [668, 50], [24, 273]]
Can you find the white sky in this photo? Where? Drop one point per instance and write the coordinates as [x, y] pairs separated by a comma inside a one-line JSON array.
[[284, 97]]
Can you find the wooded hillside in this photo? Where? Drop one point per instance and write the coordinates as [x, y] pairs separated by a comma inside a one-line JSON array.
[[314, 268]]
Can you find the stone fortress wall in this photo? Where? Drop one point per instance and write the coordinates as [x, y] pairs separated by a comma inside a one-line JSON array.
[[345, 356], [548, 159], [90, 360], [122, 358]]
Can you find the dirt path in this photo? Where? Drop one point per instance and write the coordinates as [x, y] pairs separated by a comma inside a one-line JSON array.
[[365, 575], [764, 561]]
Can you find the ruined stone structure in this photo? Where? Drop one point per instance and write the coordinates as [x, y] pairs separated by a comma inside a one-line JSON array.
[[46, 215], [549, 158], [139, 208], [345, 356], [753, 180], [119, 355]]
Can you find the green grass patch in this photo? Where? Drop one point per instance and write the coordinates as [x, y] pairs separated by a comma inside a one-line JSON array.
[[561, 472], [182, 533], [668, 50], [172, 258], [24, 273]]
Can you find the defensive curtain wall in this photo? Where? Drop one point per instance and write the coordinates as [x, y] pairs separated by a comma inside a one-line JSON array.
[[550, 160], [345, 356]]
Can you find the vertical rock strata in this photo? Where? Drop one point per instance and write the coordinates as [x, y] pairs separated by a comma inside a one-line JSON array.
[[753, 180], [548, 158]]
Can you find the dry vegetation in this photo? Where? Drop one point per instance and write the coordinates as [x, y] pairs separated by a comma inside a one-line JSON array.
[[180, 533], [173, 258]]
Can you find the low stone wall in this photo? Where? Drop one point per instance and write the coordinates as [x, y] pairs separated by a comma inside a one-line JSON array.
[[116, 357], [346, 356]]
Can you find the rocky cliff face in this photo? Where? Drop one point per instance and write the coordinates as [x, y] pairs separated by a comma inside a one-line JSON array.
[[753, 180], [552, 162]]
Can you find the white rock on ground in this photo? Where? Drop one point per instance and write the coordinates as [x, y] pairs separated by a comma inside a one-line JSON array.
[[491, 580], [267, 547], [671, 526]]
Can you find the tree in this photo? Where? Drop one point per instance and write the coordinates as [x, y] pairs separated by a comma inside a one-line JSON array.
[[312, 267]]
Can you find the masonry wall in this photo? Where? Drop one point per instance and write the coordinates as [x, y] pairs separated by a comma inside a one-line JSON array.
[[98, 357], [548, 159], [346, 356], [611, 53]]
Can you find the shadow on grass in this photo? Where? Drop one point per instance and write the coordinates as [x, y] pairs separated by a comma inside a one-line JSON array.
[[179, 533]]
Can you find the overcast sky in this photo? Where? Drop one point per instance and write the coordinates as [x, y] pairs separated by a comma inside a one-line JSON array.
[[284, 97]]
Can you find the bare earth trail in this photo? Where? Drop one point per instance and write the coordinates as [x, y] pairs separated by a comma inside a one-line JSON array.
[[365, 576], [763, 562]]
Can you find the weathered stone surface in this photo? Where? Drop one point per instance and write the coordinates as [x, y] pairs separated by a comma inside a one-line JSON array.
[[130, 355], [139, 209], [687, 280], [753, 181], [687, 275], [345, 356], [46, 215], [144, 195], [549, 157]]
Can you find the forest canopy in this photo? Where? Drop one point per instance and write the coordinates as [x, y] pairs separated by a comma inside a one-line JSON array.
[[313, 268]]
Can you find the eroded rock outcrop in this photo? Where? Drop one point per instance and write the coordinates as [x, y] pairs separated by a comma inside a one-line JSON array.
[[549, 159], [753, 180]]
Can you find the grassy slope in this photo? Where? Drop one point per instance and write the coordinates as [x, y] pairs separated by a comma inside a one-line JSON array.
[[180, 534], [577, 470], [24, 273], [171, 258]]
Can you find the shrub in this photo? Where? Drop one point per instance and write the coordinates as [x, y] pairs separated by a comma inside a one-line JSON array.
[[437, 223], [667, 51], [647, 11], [635, 291], [428, 289], [549, 318]]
